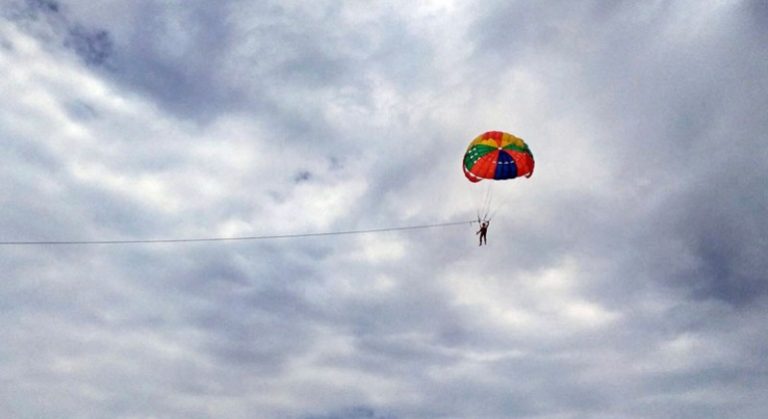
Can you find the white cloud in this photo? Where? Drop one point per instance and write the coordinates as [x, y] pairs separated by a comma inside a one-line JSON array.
[[622, 279]]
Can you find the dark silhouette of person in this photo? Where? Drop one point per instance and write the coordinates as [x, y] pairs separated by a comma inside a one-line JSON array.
[[483, 232]]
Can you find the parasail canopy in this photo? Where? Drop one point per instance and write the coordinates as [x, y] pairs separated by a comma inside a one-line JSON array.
[[497, 155]]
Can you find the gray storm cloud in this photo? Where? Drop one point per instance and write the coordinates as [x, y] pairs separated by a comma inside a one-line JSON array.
[[625, 279]]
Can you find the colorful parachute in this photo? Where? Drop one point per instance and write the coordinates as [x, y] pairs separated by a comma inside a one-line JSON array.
[[497, 155]]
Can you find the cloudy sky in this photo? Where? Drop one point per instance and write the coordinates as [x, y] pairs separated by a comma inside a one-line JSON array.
[[627, 278]]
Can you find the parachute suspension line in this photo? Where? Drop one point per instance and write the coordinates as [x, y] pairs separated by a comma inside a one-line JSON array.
[[479, 209], [499, 204], [489, 203], [489, 206], [244, 238], [485, 206]]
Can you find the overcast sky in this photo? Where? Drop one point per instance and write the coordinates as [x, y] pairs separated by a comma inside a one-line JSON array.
[[628, 278]]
